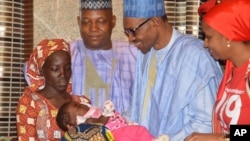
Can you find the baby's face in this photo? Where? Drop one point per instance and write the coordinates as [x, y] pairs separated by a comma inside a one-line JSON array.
[[76, 109]]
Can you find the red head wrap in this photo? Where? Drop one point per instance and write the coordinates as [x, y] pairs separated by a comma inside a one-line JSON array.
[[43, 50], [231, 18], [205, 7]]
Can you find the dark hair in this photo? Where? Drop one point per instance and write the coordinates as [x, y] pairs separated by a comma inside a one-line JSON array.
[[63, 117]]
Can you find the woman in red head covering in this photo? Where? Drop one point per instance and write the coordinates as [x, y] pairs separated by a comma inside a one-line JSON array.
[[49, 71], [227, 37]]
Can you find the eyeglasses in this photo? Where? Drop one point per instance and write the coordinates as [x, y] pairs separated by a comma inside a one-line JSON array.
[[132, 32]]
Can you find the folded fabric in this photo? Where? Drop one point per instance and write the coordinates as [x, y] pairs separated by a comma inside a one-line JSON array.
[[132, 133]]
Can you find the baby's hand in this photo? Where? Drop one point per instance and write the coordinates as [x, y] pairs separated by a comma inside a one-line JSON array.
[[108, 109]]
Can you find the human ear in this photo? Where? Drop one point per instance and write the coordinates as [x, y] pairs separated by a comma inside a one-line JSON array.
[[113, 21], [155, 21], [79, 21]]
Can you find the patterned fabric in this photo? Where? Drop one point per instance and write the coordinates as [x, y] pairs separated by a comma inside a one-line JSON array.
[[233, 97], [96, 4], [231, 19], [88, 132], [121, 78], [116, 121], [136, 8], [36, 118], [182, 98], [94, 112], [44, 49]]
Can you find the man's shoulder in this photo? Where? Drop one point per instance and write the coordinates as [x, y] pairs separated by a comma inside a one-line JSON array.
[[190, 46], [76, 42], [188, 43], [190, 39], [124, 46], [76, 46], [117, 43]]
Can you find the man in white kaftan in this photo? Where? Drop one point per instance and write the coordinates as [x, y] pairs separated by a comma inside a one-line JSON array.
[[184, 90], [176, 78], [104, 74]]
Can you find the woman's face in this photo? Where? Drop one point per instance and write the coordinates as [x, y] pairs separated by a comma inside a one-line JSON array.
[[57, 70], [215, 42]]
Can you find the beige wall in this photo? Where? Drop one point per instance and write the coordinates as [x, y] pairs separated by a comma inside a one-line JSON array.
[[57, 19]]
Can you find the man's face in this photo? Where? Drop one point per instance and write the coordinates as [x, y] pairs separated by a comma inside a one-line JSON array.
[[140, 33], [96, 28]]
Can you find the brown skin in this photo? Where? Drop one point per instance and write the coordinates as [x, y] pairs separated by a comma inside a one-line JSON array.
[[216, 43], [155, 33], [57, 73], [238, 52], [101, 120], [205, 137], [96, 27]]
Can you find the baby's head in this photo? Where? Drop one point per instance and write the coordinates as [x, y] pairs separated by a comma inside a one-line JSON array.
[[67, 114], [72, 114]]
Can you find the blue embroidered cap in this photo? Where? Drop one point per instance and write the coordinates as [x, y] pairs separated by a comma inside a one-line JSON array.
[[96, 4], [143, 8]]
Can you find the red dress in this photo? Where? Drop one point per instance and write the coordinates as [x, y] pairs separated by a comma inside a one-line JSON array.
[[233, 99]]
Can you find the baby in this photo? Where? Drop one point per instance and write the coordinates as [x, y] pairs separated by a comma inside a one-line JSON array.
[[73, 114]]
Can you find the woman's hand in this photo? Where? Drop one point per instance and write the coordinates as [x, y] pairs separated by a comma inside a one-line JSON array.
[[204, 137]]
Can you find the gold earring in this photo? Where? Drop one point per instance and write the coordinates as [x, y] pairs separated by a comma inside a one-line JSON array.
[[228, 44]]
